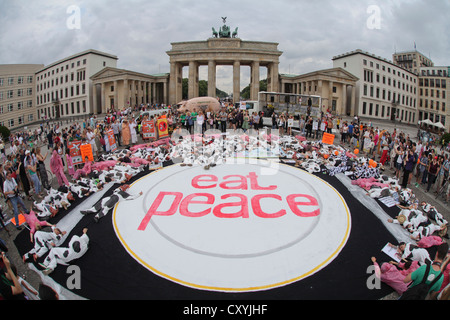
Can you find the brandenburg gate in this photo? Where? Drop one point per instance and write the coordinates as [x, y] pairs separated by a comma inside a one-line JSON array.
[[224, 48]]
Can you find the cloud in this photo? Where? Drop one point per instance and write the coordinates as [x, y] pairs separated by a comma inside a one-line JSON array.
[[140, 32]]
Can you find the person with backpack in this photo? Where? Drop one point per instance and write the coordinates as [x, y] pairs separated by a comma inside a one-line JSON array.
[[427, 280]]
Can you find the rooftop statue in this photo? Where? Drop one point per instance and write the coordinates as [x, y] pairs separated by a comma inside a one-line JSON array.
[[224, 31]]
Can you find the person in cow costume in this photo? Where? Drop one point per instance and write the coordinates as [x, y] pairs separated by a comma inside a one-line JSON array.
[[64, 255], [102, 207], [43, 242]]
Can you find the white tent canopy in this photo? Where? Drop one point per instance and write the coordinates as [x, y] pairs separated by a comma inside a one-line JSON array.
[[439, 125], [427, 121]]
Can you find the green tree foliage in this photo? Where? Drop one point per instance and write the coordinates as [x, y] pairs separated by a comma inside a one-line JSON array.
[[245, 93], [446, 138], [202, 89], [5, 133]]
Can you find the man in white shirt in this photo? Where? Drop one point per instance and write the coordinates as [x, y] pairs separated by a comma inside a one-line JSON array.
[[10, 190], [90, 137]]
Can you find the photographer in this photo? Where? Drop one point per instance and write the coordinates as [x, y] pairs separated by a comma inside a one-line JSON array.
[[10, 287], [11, 191], [408, 166]]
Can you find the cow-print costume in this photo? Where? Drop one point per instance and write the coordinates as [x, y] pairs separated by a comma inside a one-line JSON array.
[[102, 207]]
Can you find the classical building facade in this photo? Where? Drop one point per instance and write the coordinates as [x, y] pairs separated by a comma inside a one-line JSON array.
[[434, 91], [384, 90], [64, 88], [116, 89], [336, 86], [17, 94], [222, 51], [412, 60]]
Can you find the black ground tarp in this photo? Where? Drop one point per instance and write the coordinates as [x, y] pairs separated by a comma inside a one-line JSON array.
[[109, 273]]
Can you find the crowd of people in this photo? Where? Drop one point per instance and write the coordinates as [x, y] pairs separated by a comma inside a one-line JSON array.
[[360, 150]]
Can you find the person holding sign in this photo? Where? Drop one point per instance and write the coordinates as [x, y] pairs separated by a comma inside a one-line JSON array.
[[86, 151], [90, 137]]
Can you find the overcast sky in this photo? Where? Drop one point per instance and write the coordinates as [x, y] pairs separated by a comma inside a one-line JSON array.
[[140, 32]]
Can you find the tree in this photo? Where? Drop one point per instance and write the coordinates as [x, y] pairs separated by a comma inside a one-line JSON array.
[[202, 89], [245, 93], [4, 131], [446, 138]]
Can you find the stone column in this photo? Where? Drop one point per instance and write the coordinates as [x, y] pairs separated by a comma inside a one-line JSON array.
[[126, 93], [153, 92], [95, 101], [193, 83], [211, 78], [133, 93], [344, 100], [175, 89], [179, 84], [116, 95], [139, 92], [275, 77], [236, 81], [165, 97], [103, 107], [353, 102], [330, 94], [254, 84]]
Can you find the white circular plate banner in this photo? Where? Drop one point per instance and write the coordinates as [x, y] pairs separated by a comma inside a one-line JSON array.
[[235, 227]]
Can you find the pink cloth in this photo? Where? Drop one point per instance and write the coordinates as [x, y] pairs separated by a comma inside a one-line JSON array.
[[150, 145], [70, 165], [55, 162], [84, 171], [446, 281], [369, 183], [390, 275], [350, 155], [32, 220], [103, 165], [428, 242], [139, 161], [57, 167], [413, 267]]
